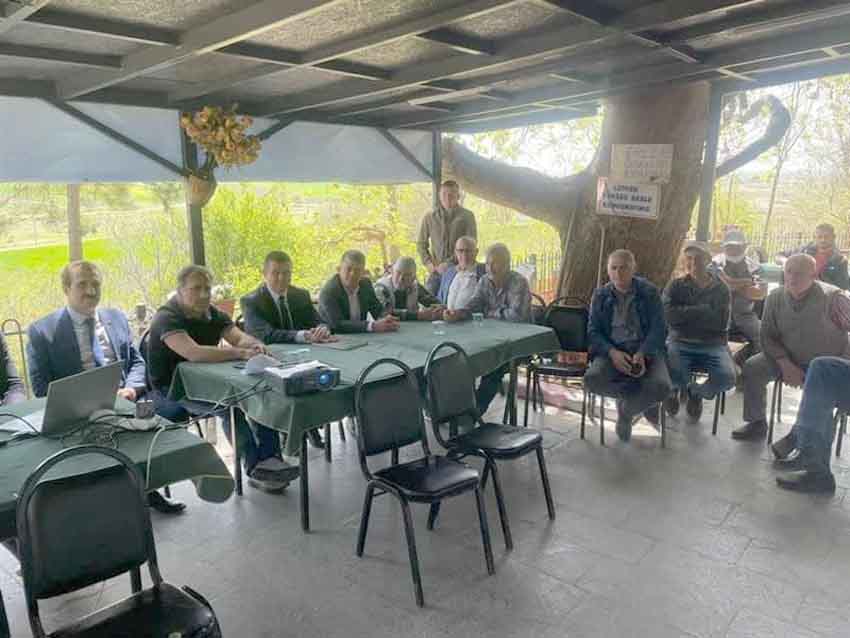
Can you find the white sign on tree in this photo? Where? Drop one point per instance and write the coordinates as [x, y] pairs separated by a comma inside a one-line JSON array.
[[624, 199], [649, 163]]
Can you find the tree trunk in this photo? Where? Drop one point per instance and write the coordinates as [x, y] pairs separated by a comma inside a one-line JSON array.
[[75, 229], [772, 202], [675, 115]]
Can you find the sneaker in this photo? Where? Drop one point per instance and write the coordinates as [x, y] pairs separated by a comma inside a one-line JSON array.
[[694, 406], [272, 487], [671, 403], [276, 470]]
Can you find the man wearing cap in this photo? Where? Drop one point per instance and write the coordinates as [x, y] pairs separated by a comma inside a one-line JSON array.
[[740, 274], [802, 320], [696, 308]]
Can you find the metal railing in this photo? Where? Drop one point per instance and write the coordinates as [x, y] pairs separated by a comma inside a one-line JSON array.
[[541, 269]]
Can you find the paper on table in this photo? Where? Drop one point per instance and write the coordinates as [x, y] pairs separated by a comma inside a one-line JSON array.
[[285, 373], [258, 363]]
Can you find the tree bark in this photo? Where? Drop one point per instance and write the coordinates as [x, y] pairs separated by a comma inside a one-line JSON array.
[[75, 229], [661, 115]]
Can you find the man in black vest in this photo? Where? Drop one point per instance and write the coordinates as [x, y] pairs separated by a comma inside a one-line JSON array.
[[278, 312]]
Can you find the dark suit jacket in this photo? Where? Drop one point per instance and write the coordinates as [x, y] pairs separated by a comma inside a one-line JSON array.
[[53, 353], [335, 309], [263, 321]]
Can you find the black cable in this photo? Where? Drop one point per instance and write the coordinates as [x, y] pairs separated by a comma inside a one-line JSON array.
[[20, 418]]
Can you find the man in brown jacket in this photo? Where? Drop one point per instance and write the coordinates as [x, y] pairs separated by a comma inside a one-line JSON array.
[[439, 231]]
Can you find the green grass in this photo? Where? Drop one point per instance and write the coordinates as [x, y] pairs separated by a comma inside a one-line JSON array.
[[54, 257]]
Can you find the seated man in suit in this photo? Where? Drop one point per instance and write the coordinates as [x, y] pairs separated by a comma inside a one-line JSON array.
[[82, 336], [348, 298], [189, 328], [401, 295], [278, 312], [458, 283], [627, 333], [500, 294], [12, 388]]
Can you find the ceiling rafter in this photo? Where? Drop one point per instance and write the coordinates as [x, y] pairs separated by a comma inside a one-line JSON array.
[[326, 55], [13, 13], [540, 45], [60, 55], [228, 29]]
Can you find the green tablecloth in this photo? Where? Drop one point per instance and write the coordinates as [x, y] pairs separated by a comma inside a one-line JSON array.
[[177, 456], [488, 345]]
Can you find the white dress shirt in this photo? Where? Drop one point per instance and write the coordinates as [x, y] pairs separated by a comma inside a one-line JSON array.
[[354, 308], [462, 289], [82, 333]]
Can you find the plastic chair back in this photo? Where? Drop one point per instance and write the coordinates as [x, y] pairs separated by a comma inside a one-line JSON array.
[[83, 528], [388, 410]]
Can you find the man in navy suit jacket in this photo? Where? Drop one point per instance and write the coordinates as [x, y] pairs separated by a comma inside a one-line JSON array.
[[82, 336]]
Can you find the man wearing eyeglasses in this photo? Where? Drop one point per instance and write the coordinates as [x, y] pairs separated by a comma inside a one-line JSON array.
[[458, 283]]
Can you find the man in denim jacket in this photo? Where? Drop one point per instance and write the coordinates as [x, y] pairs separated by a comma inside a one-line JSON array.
[[627, 333]]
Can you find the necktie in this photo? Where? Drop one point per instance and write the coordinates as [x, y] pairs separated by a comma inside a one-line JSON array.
[[285, 314], [96, 350]]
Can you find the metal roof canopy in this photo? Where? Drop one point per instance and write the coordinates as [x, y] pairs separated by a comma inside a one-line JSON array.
[[452, 65]]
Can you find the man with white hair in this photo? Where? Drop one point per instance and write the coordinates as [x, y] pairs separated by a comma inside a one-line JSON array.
[[458, 283], [402, 295], [802, 320], [500, 294]]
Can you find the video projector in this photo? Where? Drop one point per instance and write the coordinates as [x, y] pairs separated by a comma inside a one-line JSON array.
[[302, 378]]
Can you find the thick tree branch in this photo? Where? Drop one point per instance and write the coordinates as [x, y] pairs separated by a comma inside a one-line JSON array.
[[777, 126], [545, 198]]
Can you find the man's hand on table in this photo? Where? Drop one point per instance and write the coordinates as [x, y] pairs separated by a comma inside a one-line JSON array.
[[453, 316], [387, 324], [320, 334]]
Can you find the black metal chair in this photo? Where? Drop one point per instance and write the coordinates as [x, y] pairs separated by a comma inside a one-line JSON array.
[[389, 417], [4, 623], [78, 530], [775, 408], [451, 401], [569, 321]]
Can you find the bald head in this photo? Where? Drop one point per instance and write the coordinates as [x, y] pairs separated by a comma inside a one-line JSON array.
[[800, 274]]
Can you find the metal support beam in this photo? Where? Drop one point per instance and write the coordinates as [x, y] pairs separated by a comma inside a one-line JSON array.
[[436, 166], [114, 135], [13, 13], [61, 55], [405, 152], [273, 129], [235, 27], [709, 164], [459, 42], [194, 213]]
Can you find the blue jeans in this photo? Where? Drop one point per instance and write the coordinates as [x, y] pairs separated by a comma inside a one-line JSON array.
[[255, 442], [826, 387], [713, 359]]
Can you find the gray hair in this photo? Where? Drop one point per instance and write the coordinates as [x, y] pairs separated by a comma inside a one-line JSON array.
[[468, 241], [404, 264], [626, 255], [499, 249], [354, 257], [193, 269], [804, 258]]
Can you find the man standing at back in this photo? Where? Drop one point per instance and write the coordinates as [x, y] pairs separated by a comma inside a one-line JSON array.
[[440, 229], [830, 264], [81, 336]]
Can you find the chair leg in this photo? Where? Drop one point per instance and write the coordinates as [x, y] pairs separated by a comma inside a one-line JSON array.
[[723, 403], [411, 551], [237, 462], [485, 474], [718, 402], [601, 420], [136, 580], [583, 410], [485, 531], [779, 405], [433, 514], [539, 399], [200, 428], [364, 518], [663, 417], [547, 489], [394, 456], [842, 428], [341, 430], [527, 394], [773, 397], [167, 491], [328, 441], [500, 504]]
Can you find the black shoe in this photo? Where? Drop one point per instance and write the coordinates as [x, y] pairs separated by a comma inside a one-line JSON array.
[[671, 403], [807, 482], [624, 425], [752, 431], [652, 415], [164, 505], [693, 406], [793, 462], [784, 446], [316, 439]]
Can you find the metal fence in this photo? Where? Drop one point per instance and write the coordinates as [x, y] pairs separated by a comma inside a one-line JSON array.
[[541, 269], [777, 242]]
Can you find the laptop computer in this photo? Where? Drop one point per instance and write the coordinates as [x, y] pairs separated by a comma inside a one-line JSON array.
[[72, 400]]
